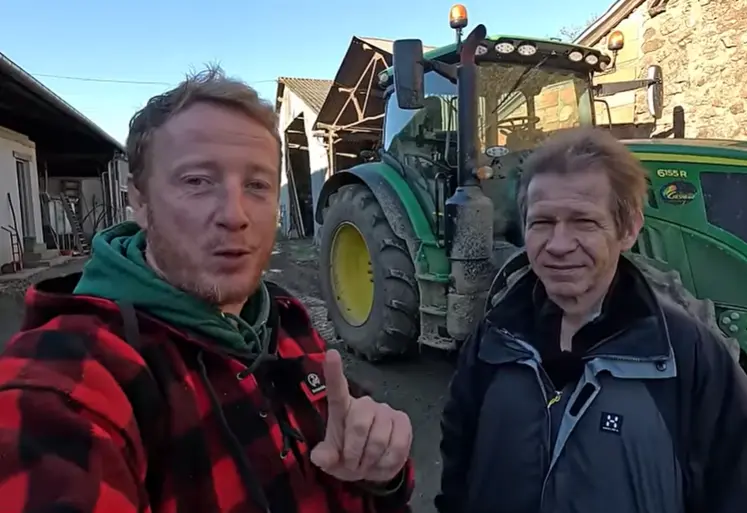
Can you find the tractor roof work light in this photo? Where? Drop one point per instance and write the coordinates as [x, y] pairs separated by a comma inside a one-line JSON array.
[[458, 17]]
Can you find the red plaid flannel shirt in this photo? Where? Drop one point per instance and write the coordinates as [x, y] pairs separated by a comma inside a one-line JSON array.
[[91, 424]]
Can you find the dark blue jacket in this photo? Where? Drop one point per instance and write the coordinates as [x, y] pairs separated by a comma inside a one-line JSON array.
[[657, 422]]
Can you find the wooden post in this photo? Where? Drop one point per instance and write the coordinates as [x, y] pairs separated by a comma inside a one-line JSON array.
[[332, 167]]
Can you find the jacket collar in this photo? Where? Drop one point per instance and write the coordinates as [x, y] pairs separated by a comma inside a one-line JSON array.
[[631, 323]]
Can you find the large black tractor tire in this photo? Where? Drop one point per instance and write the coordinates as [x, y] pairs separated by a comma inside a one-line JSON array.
[[668, 284], [392, 326]]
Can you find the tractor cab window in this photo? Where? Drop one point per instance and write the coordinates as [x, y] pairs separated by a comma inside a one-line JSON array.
[[519, 106], [426, 133], [724, 194]]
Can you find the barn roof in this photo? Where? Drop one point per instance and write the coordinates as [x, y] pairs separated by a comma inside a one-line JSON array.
[[618, 11], [312, 91], [337, 110]]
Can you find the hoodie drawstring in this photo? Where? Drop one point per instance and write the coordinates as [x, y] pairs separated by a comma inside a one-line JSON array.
[[266, 380], [248, 478], [285, 375], [131, 329]]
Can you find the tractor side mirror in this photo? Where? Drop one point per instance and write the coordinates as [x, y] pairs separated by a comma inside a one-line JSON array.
[[655, 91], [409, 72]]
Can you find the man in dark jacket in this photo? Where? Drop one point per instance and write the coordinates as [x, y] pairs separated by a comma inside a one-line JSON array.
[[169, 377], [583, 391]]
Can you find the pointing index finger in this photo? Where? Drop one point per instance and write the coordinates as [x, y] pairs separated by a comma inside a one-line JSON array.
[[338, 395]]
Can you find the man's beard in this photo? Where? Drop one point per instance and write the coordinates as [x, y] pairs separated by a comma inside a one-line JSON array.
[[177, 265]]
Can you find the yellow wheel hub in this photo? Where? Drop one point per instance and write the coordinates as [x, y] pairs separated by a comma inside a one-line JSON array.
[[352, 274]]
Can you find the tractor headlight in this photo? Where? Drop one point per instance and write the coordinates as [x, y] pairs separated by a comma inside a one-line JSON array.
[[504, 47], [576, 56], [526, 50]]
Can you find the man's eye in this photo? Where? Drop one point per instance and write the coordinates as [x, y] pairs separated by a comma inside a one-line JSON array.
[[586, 223], [258, 185], [195, 181]]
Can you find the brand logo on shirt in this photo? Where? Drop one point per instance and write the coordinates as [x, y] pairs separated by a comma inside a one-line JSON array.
[[314, 382], [611, 422]]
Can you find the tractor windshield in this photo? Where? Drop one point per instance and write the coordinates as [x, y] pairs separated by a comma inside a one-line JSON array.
[[519, 106]]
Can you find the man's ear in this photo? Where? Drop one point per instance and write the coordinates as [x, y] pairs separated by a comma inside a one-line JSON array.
[[628, 240], [138, 204]]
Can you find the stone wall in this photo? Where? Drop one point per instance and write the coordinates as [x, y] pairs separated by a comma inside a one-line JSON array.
[[627, 67], [557, 107], [701, 46]]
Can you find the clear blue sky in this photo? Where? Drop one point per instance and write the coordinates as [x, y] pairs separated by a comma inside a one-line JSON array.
[[160, 40]]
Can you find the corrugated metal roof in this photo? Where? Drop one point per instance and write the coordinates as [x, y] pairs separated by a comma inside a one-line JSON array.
[[312, 91], [42, 91]]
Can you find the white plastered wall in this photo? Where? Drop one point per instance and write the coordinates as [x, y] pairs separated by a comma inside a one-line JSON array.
[[14, 146]]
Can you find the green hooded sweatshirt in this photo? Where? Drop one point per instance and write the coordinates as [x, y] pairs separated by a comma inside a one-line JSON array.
[[118, 271]]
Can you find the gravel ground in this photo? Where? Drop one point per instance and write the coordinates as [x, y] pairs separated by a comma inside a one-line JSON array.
[[417, 387], [12, 292]]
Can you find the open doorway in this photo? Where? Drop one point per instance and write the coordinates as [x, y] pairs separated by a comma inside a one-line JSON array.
[[350, 150], [298, 171], [299, 166], [26, 202]]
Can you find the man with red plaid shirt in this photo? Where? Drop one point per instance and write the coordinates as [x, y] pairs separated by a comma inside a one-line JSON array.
[[168, 376]]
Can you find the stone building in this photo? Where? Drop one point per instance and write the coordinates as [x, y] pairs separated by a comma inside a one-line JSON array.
[[701, 46]]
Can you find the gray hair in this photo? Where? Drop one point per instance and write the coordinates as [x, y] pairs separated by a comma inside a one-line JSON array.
[[580, 150]]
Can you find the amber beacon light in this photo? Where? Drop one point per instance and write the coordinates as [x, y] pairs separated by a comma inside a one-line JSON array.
[[615, 41], [458, 16]]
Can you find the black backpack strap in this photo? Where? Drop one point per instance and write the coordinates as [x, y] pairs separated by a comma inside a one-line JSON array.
[[517, 263], [152, 430], [130, 325]]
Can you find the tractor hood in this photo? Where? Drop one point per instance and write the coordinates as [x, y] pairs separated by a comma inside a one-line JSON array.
[[708, 148]]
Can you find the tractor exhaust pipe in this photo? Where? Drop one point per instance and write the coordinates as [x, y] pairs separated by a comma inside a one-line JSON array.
[[469, 212], [467, 96]]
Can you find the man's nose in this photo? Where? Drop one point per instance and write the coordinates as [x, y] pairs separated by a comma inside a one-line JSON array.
[[562, 241], [232, 213]]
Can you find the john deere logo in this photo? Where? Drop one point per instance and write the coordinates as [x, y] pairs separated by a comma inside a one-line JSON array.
[[678, 193]]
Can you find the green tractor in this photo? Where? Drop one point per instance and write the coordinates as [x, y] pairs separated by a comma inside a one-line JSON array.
[[411, 241]]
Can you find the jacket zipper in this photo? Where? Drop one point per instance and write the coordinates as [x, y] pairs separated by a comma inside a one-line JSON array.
[[546, 386]]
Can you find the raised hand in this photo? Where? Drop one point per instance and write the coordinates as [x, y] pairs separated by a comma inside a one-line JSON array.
[[365, 440]]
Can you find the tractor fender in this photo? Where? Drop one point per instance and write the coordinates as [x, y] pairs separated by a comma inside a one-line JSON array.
[[377, 176]]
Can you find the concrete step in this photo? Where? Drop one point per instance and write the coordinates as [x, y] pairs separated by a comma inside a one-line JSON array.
[[39, 258], [31, 256], [36, 264]]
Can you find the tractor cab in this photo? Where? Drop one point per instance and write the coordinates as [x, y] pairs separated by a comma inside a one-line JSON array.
[[520, 102], [507, 96]]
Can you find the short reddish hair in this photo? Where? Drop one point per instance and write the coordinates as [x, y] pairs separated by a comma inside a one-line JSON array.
[[210, 85]]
